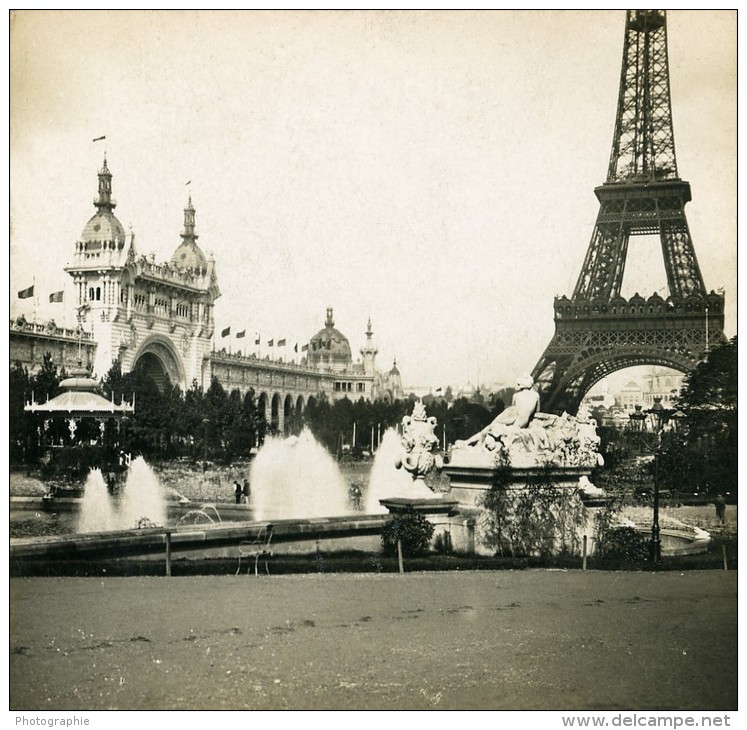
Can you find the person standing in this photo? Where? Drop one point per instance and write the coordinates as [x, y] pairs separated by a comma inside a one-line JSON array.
[[237, 491], [246, 491], [720, 503]]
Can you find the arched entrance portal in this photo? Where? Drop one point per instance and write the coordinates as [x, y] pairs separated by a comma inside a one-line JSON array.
[[160, 360]]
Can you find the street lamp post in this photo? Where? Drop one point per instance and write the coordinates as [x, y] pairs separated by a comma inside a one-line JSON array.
[[659, 416], [637, 417], [655, 531], [205, 422]]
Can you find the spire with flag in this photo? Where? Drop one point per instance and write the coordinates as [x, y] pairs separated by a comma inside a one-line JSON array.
[[241, 334], [26, 293], [226, 332], [57, 296]]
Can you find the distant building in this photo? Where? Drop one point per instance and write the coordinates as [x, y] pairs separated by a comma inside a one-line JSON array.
[[389, 385], [612, 405]]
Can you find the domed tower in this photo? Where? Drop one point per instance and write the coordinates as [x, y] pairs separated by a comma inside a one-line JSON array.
[[140, 311], [189, 255], [329, 347], [388, 385], [101, 254], [369, 352], [103, 232], [394, 382]]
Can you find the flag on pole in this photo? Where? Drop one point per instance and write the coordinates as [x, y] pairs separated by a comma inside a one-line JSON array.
[[281, 343], [295, 347], [226, 332], [241, 334], [26, 293], [269, 343], [57, 296], [188, 181], [256, 342], [304, 348], [98, 139]]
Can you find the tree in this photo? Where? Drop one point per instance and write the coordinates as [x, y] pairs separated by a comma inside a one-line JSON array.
[[701, 454], [464, 419], [47, 381], [22, 431]]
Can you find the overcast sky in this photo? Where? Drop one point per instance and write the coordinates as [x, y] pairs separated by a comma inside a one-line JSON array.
[[432, 170]]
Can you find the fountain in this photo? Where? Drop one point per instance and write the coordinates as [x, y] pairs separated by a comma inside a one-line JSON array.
[[296, 477], [142, 501], [386, 480], [143, 496], [96, 509]]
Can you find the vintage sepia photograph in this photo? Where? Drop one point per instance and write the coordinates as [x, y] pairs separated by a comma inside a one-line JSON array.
[[373, 360]]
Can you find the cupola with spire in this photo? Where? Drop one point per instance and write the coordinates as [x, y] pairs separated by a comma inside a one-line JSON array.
[[329, 346], [103, 232], [189, 255]]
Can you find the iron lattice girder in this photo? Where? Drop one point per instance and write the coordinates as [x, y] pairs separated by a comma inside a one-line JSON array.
[[636, 209], [597, 331], [643, 143], [593, 340]]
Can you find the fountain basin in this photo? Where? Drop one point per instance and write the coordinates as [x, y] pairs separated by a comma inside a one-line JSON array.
[[175, 510], [154, 540]]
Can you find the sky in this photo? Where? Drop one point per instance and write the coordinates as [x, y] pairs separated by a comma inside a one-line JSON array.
[[431, 170]]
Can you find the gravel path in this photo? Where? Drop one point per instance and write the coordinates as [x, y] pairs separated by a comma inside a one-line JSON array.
[[552, 640]]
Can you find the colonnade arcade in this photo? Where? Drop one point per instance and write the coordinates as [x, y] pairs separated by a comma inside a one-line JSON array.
[[281, 412]]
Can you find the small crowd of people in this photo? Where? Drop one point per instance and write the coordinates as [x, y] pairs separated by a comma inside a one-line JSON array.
[[242, 492]]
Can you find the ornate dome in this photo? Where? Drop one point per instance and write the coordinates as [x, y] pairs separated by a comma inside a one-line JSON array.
[[329, 345], [188, 254], [103, 231]]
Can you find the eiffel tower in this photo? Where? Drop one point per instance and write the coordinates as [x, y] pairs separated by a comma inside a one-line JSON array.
[[597, 331]]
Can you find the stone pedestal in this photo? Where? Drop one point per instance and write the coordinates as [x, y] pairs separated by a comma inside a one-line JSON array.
[[469, 483], [445, 514]]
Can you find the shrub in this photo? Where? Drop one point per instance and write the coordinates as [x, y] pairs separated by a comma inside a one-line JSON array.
[[623, 543], [412, 529], [538, 519]]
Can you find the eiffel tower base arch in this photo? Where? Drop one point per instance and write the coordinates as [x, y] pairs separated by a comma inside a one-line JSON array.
[[586, 348]]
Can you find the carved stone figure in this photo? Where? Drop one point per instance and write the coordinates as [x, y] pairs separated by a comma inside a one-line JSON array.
[[419, 441], [523, 436], [524, 406]]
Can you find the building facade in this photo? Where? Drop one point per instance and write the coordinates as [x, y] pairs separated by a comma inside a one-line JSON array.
[[135, 311]]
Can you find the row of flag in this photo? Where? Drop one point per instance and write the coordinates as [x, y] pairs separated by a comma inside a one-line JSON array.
[[27, 293], [59, 296], [270, 343]]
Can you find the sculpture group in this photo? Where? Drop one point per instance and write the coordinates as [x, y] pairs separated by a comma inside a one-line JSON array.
[[522, 436]]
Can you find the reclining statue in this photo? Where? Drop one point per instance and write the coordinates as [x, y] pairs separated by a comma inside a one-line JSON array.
[[524, 406], [523, 436]]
